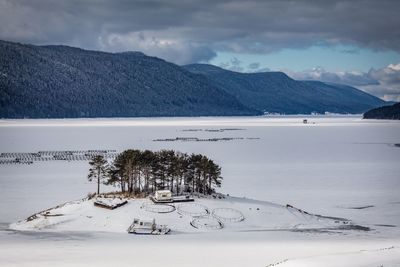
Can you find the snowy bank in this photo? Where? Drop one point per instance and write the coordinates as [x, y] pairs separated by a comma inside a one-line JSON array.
[[202, 215]]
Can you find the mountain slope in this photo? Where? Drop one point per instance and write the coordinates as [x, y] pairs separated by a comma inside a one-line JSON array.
[[384, 113], [66, 82], [276, 92], [61, 82]]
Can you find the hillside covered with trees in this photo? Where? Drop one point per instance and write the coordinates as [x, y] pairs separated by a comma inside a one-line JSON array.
[[66, 82], [384, 113], [275, 92]]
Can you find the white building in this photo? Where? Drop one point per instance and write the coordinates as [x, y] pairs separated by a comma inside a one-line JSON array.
[[146, 226], [144, 223], [163, 195]]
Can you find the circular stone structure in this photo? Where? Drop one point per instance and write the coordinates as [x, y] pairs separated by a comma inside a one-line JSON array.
[[206, 222], [192, 209], [158, 208], [227, 215]]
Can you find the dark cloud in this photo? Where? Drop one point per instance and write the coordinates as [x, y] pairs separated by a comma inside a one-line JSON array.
[[237, 65], [191, 31], [234, 65], [254, 66]]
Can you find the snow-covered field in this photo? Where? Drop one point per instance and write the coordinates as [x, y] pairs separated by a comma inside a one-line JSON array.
[[203, 215], [333, 166]]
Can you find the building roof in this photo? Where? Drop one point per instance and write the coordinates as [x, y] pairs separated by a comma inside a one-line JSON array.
[[163, 191]]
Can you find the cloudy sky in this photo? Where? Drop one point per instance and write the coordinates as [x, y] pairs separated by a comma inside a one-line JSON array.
[[355, 42]]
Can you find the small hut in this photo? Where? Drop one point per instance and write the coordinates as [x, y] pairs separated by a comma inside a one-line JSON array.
[[146, 226], [163, 196], [109, 203]]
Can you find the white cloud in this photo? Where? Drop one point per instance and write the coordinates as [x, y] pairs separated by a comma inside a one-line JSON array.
[[383, 82], [389, 82], [395, 67], [157, 44]]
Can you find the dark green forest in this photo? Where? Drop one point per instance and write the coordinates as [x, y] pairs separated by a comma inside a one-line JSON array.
[[140, 173], [384, 113], [66, 82]]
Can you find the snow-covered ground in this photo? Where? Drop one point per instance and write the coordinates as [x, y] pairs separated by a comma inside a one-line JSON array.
[[334, 166], [203, 215]]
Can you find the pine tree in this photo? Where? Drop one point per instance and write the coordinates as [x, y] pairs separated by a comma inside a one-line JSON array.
[[142, 172], [98, 170], [214, 176]]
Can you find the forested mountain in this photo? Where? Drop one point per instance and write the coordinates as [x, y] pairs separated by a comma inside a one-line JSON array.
[[65, 82], [276, 92], [384, 113]]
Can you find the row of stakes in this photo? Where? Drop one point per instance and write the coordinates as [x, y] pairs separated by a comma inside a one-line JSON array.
[[76, 155]]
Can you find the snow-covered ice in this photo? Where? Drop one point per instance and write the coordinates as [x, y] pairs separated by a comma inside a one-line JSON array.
[[334, 166]]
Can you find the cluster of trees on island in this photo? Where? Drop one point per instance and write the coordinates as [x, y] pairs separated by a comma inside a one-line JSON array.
[[138, 172]]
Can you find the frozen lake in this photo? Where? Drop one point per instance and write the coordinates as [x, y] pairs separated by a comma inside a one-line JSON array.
[[334, 164], [337, 166]]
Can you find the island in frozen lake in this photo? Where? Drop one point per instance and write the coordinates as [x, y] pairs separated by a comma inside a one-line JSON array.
[[168, 191], [205, 213]]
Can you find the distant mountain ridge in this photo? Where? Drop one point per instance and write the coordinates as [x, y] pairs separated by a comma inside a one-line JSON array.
[[278, 93], [384, 113], [67, 82]]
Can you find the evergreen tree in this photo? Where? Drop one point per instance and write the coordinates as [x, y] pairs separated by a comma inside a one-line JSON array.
[[147, 159], [214, 176], [143, 172], [98, 170]]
